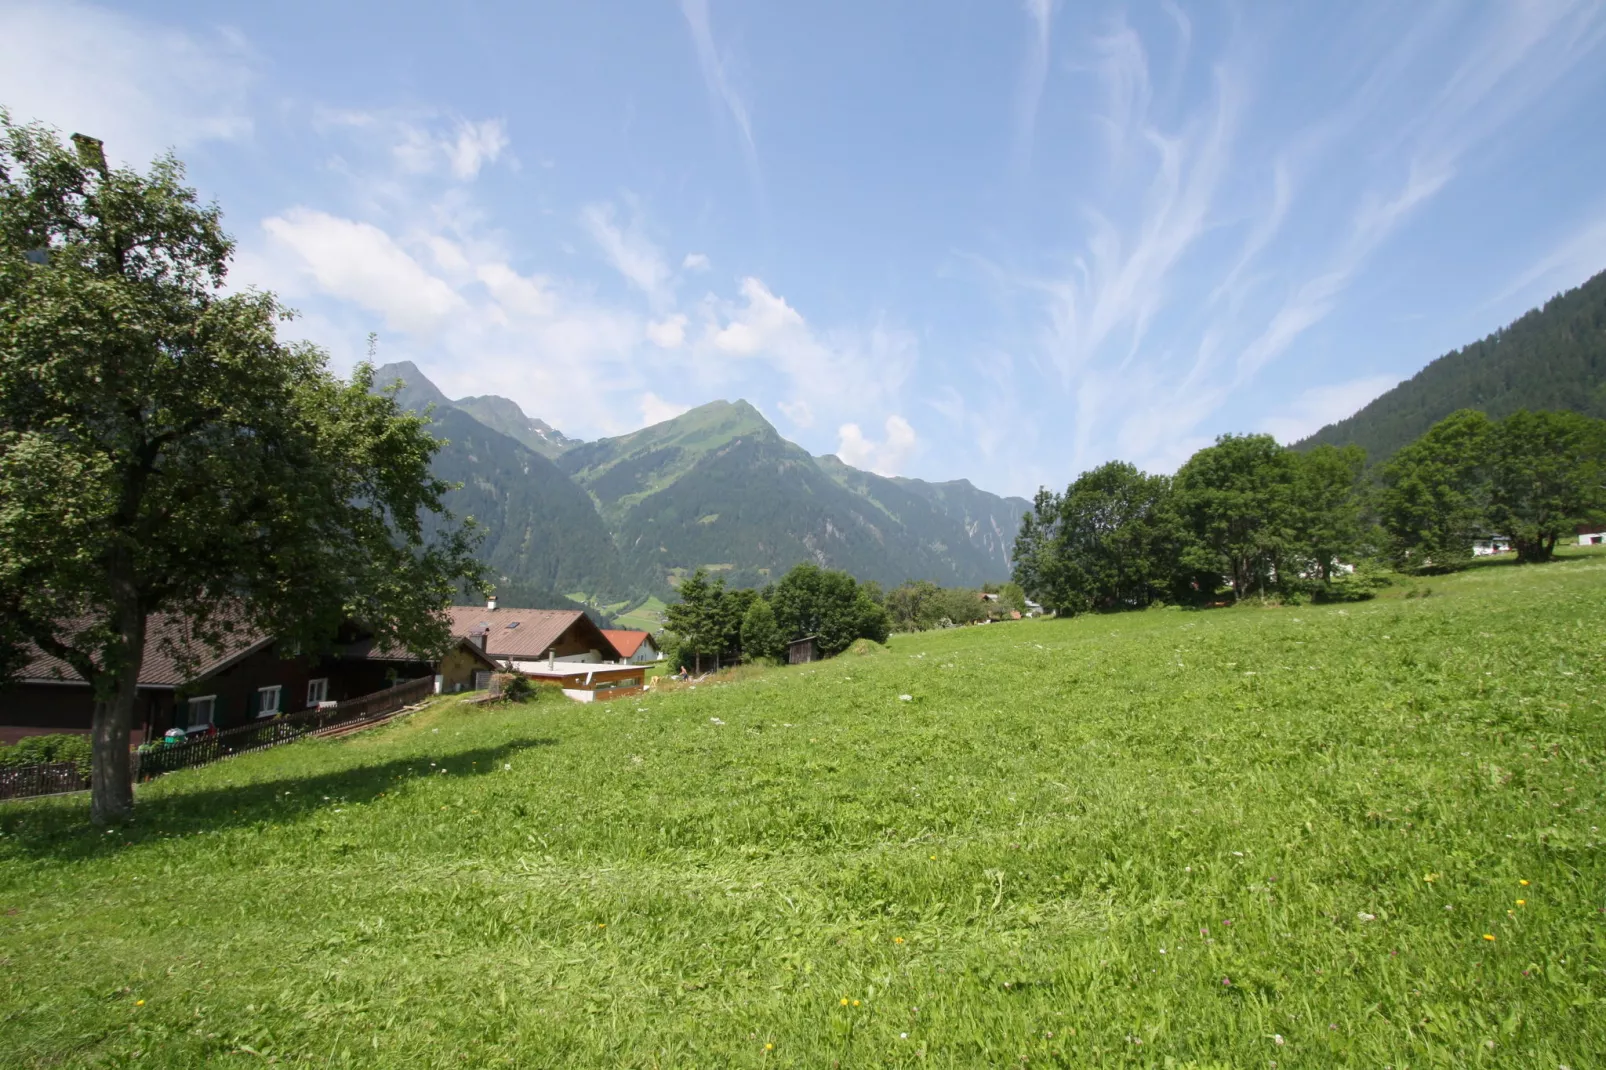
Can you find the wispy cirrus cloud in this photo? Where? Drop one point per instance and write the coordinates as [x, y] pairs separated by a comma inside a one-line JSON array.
[[1185, 284], [1033, 76], [716, 74]]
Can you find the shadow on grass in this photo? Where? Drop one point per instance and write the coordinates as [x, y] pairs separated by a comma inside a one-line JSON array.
[[59, 829]]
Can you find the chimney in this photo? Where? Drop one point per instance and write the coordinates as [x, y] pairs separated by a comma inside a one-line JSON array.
[[550, 657], [478, 639], [490, 603]]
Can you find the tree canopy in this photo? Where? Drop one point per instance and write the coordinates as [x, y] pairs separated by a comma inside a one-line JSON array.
[[162, 451]]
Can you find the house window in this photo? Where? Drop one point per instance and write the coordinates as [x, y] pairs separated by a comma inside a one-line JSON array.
[[268, 700], [200, 712], [317, 691]]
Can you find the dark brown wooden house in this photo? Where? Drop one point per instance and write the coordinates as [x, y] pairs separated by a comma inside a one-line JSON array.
[[184, 684]]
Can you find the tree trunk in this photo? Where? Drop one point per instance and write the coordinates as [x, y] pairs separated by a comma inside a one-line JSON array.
[[111, 779]]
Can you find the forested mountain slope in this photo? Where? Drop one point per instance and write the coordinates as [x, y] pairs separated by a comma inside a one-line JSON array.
[[542, 536], [719, 486], [1552, 358], [716, 486]]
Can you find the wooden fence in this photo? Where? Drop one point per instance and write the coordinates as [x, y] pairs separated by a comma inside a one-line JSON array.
[[51, 778], [203, 750], [152, 762]]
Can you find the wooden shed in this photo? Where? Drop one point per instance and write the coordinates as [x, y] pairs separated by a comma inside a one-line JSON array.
[[801, 650]]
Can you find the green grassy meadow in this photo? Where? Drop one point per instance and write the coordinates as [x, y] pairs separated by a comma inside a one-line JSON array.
[[1358, 835]]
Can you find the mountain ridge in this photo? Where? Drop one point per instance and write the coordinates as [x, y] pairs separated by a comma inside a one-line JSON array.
[[1551, 357], [718, 486]]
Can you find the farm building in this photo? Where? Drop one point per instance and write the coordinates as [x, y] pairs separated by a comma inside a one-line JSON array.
[[1493, 544], [523, 639], [633, 646], [806, 649], [1591, 535], [185, 683], [589, 681]]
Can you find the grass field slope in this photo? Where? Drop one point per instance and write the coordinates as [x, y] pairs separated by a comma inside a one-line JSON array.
[[1360, 835]]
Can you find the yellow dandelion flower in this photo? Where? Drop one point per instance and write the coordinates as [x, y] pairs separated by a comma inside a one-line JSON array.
[[769, 1047], [602, 925], [933, 858], [855, 1003], [1522, 902], [1523, 883], [897, 939], [139, 1003], [844, 1001], [1489, 936]]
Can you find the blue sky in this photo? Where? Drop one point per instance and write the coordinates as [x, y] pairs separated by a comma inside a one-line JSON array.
[[1004, 241]]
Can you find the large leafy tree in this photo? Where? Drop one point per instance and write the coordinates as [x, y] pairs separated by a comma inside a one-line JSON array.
[[827, 603], [1547, 472], [1237, 501], [1328, 523], [1435, 495], [161, 451], [761, 636], [1113, 543]]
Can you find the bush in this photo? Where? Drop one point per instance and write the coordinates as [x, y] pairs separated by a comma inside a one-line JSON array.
[[42, 750]]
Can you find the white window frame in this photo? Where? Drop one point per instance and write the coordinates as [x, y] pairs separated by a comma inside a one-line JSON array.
[[278, 700], [191, 725], [317, 691]]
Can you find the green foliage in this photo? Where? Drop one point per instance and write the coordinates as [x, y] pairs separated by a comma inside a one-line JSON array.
[[1434, 500], [42, 750], [1551, 359], [919, 605], [684, 878], [829, 604], [1013, 595], [1109, 542], [1547, 474], [162, 450], [761, 636], [1530, 477], [1327, 526], [1237, 502]]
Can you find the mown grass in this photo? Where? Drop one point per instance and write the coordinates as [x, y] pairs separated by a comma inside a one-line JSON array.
[[1230, 838]]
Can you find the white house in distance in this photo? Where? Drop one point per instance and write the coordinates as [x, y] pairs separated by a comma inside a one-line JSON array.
[[1591, 535], [1494, 544], [633, 646]]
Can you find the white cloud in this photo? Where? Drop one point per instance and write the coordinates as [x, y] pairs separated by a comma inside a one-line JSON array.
[[694, 262], [477, 144], [798, 412], [655, 410], [766, 323], [668, 333], [631, 252], [463, 151], [886, 457], [717, 76], [1034, 75], [358, 262], [1322, 405], [140, 87]]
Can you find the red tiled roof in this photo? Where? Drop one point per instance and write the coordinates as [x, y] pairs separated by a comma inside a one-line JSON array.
[[173, 653], [626, 641], [514, 633]]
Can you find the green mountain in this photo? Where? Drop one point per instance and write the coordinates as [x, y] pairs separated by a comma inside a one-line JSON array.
[[1552, 358], [718, 486], [505, 416], [623, 518], [543, 537]]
